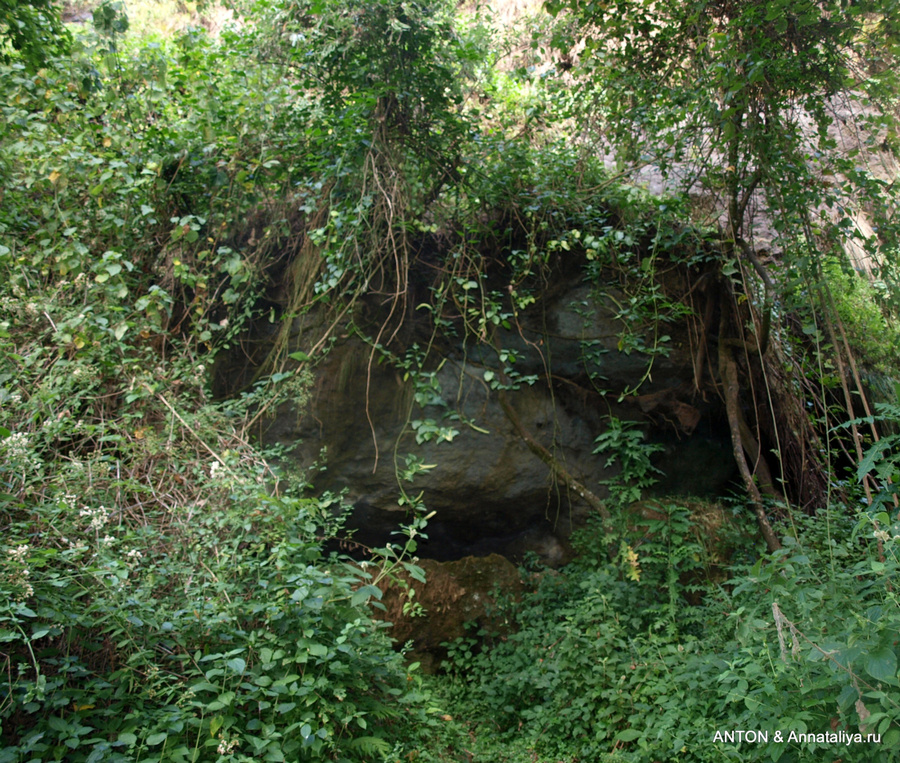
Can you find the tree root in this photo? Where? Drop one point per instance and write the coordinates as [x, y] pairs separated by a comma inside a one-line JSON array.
[[729, 376], [563, 475]]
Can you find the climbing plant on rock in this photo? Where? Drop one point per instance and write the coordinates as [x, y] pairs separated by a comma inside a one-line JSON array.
[[738, 100], [384, 80]]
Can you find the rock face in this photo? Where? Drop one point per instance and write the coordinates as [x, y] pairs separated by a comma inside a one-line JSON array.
[[367, 415]]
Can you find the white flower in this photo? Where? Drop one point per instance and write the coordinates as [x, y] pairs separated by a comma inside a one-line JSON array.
[[99, 517], [17, 445], [225, 747], [18, 553], [20, 577]]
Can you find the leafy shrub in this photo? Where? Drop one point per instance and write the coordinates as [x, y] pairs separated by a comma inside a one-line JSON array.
[[873, 338], [163, 590], [802, 641], [218, 636], [33, 30]]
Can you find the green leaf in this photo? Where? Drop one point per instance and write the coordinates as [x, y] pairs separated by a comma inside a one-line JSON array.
[[628, 735], [237, 664], [57, 724], [203, 686], [364, 593], [847, 697], [318, 650], [882, 665], [155, 739], [416, 572], [873, 455], [371, 746]]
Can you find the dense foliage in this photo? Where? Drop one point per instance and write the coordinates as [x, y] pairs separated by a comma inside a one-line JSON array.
[[165, 588], [31, 30], [165, 594]]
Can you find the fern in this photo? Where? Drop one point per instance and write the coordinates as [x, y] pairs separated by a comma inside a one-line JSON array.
[[881, 459], [370, 746]]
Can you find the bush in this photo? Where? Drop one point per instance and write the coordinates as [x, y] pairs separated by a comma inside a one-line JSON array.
[[800, 642], [164, 594], [220, 635]]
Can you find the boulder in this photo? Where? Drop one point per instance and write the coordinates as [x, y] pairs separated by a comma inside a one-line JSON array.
[[370, 414], [459, 593]]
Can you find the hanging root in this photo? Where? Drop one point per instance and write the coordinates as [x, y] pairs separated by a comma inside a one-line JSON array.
[[729, 377]]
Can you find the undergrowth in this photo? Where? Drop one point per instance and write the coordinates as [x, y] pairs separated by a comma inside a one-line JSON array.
[[672, 636], [799, 642]]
